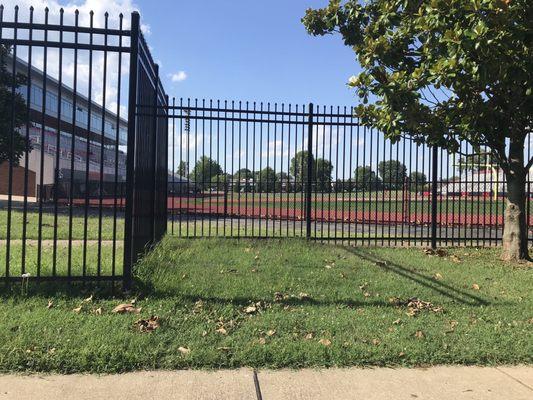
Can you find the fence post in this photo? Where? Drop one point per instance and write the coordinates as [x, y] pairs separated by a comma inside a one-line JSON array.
[[154, 212], [309, 171], [129, 257], [434, 195]]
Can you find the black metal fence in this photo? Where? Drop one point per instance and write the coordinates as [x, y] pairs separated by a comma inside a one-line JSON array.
[[146, 216], [83, 192], [87, 181], [269, 170]]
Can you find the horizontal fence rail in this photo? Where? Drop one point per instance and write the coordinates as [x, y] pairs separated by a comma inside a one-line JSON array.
[[268, 170]]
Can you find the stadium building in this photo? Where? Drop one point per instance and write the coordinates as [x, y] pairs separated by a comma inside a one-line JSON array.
[[43, 131]]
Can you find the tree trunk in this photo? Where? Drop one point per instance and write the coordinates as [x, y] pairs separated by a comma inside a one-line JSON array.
[[515, 231]]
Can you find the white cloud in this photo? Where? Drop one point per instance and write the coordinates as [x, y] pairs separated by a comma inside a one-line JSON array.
[[179, 76], [114, 9]]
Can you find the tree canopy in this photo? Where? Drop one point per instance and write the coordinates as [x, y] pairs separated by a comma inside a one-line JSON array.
[[393, 174], [183, 168], [366, 179], [321, 171], [13, 112], [443, 72], [204, 170], [267, 180]]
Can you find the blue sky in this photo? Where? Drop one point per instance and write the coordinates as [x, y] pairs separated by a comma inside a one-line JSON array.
[[239, 50], [247, 50]]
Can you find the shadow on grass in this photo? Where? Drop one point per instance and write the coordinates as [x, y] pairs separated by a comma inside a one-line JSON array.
[[453, 293], [102, 290]]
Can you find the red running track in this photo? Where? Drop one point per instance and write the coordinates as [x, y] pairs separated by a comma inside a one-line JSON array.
[[189, 205], [365, 217]]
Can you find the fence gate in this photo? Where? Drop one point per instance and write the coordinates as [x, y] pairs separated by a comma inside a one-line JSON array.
[[82, 181]]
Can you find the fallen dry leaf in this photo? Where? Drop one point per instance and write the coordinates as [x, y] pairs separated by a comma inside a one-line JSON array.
[[455, 259], [77, 310], [262, 340], [250, 309], [126, 308], [50, 304], [376, 342], [420, 335], [278, 296], [453, 324], [148, 325], [271, 332], [397, 322], [304, 296], [325, 342], [437, 276], [98, 311], [415, 306], [475, 286], [198, 306], [309, 336], [438, 252], [184, 350], [222, 331]]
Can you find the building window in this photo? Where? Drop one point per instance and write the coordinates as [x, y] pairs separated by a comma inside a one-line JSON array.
[[37, 97], [51, 103], [66, 110]]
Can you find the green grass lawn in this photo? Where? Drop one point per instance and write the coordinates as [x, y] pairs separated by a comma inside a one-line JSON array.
[[279, 303], [63, 221], [375, 201], [61, 259]]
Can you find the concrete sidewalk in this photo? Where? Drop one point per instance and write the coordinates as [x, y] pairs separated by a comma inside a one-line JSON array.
[[457, 383]]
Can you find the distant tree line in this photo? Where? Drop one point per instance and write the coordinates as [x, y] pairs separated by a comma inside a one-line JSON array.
[[391, 175]]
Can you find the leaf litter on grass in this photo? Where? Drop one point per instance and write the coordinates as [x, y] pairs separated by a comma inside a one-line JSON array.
[[415, 306]]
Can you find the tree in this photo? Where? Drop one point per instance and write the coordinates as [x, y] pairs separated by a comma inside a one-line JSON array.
[[220, 182], [241, 180], [417, 181], [446, 71], [13, 113], [321, 171], [393, 174], [298, 168], [283, 182], [366, 179], [267, 180], [183, 169], [322, 175], [243, 173], [204, 170]]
